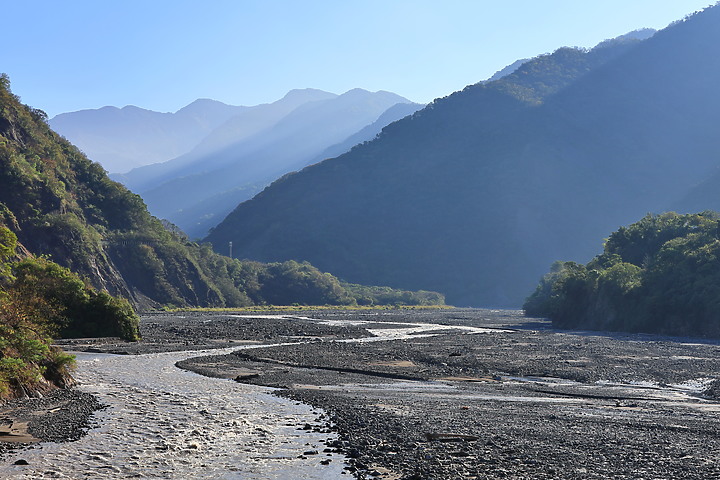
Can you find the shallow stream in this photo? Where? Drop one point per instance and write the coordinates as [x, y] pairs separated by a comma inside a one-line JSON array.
[[163, 422]]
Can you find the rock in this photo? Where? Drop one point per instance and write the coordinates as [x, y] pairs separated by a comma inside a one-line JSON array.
[[450, 437]]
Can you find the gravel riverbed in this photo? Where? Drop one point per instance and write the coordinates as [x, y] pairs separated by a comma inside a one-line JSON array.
[[490, 395], [520, 400]]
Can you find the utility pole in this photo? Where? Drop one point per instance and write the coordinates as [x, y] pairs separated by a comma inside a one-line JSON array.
[[230, 246]]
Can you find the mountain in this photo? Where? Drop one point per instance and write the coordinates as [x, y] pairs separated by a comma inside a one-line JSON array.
[[55, 202], [199, 218], [508, 70], [478, 193], [247, 123], [121, 139], [641, 34], [392, 114], [703, 196], [197, 190]]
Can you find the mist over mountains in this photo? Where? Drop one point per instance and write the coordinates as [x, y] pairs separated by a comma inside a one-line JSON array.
[[233, 152], [250, 121], [218, 176], [478, 193], [125, 138]]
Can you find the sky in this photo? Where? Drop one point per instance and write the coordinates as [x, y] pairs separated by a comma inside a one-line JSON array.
[[163, 54]]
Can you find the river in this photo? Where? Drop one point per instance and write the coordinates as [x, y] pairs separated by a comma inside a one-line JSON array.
[[164, 422]]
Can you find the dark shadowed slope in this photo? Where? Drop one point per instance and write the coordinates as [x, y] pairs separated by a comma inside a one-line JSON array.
[[477, 194]]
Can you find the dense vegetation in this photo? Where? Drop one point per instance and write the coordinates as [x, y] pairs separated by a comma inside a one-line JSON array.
[[39, 300], [661, 274], [62, 205], [475, 195], [368, 296]]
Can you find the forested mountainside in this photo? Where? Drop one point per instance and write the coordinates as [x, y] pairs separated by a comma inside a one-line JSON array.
[[658, 275], [60, 204], [478, 193], [121, 139], [213, 178]]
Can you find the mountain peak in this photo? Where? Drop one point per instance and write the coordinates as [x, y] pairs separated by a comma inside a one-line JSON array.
[[203, 103], [307, 95]]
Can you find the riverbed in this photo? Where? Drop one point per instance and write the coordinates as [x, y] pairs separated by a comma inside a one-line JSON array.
[[399, 394], [163, 422]]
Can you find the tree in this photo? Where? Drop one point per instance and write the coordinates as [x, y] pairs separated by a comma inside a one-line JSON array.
[[660, 274]]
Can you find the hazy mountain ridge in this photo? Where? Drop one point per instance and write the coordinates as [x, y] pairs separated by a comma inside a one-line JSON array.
[[247, 124], [220, 179], [392, 114], [478, 193], [125, 138]]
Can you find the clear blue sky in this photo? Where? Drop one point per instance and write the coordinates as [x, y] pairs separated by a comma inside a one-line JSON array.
[[162, 54]]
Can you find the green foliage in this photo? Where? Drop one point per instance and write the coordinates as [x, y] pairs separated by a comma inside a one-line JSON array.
[[367, 296], [26, 358], [290, 282], [8, 244], [77, 310], [661, 274], [40, 299], [63, 206], [104, 315]]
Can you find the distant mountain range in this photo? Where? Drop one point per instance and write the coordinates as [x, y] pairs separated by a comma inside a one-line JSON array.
[[197, 190], [478, 193], [233, 152], [248, 122], [125, 138]]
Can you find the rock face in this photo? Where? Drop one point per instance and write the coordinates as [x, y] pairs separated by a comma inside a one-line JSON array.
[[477, 194]]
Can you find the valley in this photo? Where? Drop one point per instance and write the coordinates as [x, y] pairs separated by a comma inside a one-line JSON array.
[[323, 285]]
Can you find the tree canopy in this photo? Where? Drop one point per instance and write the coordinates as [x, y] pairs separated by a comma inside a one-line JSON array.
[[661, 275]]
